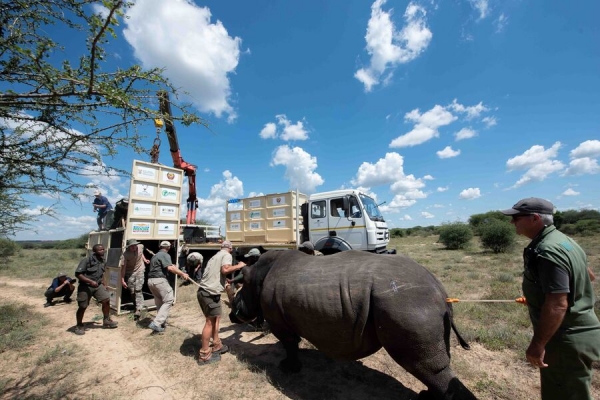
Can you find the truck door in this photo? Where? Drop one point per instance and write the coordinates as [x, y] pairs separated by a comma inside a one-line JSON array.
[[347, 224], [318, 220]]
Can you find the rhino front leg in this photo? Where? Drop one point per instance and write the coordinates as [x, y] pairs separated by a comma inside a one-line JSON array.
[[291, 364]]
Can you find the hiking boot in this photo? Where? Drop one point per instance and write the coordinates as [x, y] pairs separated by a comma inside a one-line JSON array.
[[156, 328], [48, 304], [109, 324], [79, 330]]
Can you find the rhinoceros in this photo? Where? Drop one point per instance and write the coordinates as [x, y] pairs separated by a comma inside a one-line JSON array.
[[349, 305]]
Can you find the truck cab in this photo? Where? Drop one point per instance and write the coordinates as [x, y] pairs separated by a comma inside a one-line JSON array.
[[343, 220]]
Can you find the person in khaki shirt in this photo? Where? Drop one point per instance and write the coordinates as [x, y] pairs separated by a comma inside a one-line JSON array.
[[133, 265]]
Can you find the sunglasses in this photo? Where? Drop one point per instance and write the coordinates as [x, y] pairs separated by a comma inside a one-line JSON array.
[[518, 217]]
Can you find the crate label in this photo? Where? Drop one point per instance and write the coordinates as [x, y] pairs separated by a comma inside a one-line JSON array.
[[143, 190], [235, 227], [170, 177], [168, 211], [255, 225], [166, 228], [254, 203], [146, 173], [280, 223], [141, 228], [143, 210], [279, 212], [278, 201], [255, 215], [235, 216]]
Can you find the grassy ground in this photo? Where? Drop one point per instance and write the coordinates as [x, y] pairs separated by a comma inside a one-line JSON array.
[[501, 328]]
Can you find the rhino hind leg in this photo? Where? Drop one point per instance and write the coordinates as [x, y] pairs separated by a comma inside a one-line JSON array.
[[291, 363]]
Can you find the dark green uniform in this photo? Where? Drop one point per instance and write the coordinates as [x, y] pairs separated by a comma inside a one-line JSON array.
[[554, 263]]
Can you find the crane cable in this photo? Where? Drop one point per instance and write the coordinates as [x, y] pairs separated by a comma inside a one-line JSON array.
[[520, 300]]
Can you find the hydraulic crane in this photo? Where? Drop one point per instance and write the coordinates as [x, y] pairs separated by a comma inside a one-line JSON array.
[[178, 161]]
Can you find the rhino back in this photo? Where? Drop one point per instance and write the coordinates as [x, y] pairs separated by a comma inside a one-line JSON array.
[[330, 300]]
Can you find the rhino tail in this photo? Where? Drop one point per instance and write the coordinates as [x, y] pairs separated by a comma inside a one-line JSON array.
[[461, 340]]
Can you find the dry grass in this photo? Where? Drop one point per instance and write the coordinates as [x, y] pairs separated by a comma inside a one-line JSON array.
[[494, 369]]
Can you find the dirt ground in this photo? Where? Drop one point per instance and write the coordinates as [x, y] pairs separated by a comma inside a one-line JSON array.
[[130, 362]]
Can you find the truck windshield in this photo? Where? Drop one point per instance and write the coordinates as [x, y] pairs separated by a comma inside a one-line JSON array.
[[371, 208]]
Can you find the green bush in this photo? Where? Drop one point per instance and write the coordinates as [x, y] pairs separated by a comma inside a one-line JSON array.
[[455, 235], [587, 227], [478, 220], [497, 236], [8, 248]]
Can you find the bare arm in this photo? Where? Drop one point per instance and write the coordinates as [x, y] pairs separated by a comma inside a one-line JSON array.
[[591, 274], [228, 268], [553, 312], [174, 270]]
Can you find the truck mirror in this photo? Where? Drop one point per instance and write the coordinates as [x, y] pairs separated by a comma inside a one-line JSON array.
[[346, 206]]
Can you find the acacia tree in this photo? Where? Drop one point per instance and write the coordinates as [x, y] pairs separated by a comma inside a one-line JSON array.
[[62, 114]]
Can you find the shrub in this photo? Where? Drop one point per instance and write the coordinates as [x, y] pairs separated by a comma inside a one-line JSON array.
[[455, 235], [478, 220], [8, 248], [587, 227], [497, 236]]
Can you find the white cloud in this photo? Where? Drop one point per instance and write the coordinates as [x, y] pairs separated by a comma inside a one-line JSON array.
[[570, 192], [538, 162], [406, 217], [442, 189], [489, 121], [535, 155], [212, 208], [100, 10], [465, 133], [289, 131], [197, 55], [299, 168], [269, 131], [388, 47], [482, 7], [428, 178], [501, 23], [426, 126], [448, 152], [427, 215], [582, 166], [471, 111], [589, 148], [470, 194], [540, 172]]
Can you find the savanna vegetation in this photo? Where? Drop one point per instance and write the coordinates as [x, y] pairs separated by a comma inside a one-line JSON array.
[[471, 273]]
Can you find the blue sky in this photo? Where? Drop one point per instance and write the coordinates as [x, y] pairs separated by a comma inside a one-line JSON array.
[[442, 109]]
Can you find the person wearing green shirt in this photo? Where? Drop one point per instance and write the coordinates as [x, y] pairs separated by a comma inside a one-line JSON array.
[[557, 284]]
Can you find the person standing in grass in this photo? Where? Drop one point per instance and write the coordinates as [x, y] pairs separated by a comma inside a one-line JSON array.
[[90, 273], [557, 284], [133, 265], [209, 298], [160, 264]]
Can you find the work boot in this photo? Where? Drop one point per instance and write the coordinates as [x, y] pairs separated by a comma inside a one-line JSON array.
[[109, 323], [48, 303], [79, 330], [156, 328]]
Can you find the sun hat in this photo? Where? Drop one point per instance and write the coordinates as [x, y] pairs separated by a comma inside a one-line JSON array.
[[131, 242]]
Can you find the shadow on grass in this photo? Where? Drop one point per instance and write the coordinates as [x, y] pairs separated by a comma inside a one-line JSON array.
[[320, 378]]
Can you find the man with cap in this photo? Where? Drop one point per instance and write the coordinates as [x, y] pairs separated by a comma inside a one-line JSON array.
[[90, 273], [309, 248], [160, 264], [133, 265], [61, 286], [102, 206], [193, 263], [209, 298], [557, 284]]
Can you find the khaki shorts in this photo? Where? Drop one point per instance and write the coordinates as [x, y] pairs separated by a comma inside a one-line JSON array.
[[210, 304], [85, 293]]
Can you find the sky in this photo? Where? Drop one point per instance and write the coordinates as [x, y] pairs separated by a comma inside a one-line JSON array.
[[438, 109]]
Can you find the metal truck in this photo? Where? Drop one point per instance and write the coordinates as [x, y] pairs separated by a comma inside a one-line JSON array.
[[333, 221]]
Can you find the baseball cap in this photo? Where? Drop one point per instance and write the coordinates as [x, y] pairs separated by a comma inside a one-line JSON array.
[[253, 252], [227, 244], [307, 245], [165, 243], [97, 192], [531, 205], [131, 242], [195, 257]]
